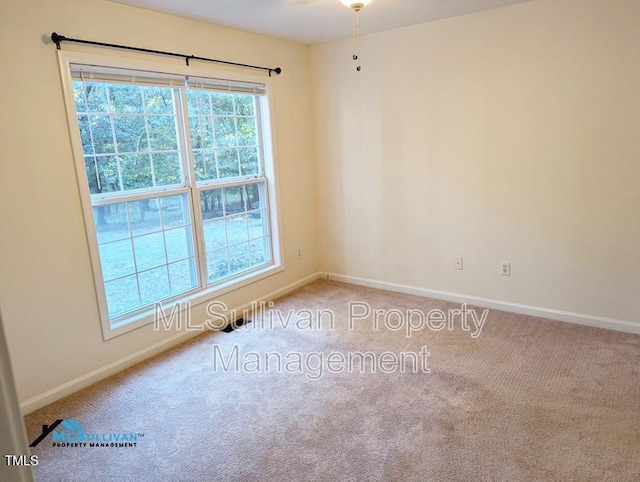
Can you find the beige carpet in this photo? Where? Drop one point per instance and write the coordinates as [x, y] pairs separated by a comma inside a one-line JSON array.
[[529, 399]]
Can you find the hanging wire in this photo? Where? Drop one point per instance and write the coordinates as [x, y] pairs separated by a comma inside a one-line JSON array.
[[356, 38]]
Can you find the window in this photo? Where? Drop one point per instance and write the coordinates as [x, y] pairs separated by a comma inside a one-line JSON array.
[[176, 176]]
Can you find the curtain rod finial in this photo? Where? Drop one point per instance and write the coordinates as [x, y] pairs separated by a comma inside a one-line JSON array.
[[56, 39]]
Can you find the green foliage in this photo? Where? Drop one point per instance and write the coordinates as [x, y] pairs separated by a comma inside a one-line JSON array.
[[224, 134], [129, 136]]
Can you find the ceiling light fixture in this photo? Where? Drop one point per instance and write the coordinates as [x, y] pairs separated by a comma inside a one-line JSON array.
[[356, 6]]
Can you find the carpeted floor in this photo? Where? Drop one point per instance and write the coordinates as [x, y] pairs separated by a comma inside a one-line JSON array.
[[527, 399]]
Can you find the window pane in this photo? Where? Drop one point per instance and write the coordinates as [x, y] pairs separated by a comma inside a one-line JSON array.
[[198, 102], [174, 211], [249, 161], [257, 224], [247, 132], [235, 239], [125, 98], [162, 133], [226, 122], [237, 230], [179, 243], [158, 100], [245, 105], [144, 216], [167, 168], [117, 259], [211, 202], [85, 134], [217, 265], [234, 198], [122, 296], [103, 142], [154, 285], [221, 103], [136, 171], [96, 94], [131, 133], [78, 97], [102, 174], [260, 250], [225, 131], [111, 222], [255, 196], [139, 242], [149, 251], [201, 132], [138, 125], [239, 257], [228, 165], [182, 276], [205, 165], [215, 234]]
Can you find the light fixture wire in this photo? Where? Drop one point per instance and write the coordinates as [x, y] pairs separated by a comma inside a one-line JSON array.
[[356, 39]]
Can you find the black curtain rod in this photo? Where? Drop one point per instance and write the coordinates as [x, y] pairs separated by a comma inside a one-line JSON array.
[[57, 39]]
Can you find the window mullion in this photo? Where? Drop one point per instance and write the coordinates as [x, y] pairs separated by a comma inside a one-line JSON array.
[[189, 170]]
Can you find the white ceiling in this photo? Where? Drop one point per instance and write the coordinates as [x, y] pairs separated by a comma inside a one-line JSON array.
[[315, 21]]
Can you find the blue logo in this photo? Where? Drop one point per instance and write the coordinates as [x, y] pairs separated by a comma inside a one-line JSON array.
[[72, 433]]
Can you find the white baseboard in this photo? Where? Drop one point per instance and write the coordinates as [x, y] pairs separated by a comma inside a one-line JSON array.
[[550, 313], [112, 368], [61, 391]]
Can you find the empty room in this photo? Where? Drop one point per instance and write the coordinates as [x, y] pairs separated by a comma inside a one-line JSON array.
[[320, 240]]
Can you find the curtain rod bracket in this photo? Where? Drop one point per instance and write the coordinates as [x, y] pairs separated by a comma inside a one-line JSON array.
[[58, 39]]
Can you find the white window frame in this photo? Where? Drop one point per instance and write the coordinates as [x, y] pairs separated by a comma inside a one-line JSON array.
[[205, 292]]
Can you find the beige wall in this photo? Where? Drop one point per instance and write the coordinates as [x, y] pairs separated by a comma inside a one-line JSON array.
[[512, 134], [46, 288]]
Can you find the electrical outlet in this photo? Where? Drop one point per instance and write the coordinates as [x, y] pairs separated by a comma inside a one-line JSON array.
[[458, 263], [505, 268]]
